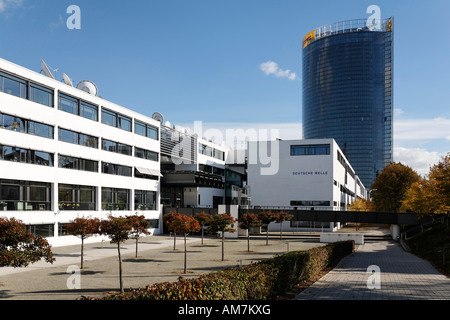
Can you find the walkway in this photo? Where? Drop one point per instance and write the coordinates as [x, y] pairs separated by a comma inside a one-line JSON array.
[[402, 276]]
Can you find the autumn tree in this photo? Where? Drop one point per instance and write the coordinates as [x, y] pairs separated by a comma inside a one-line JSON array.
[[247, 221], [184, 225], [203, 219], [83, 228], [362, 205], [168, 220], [391, 185], [118, 229], [280, 217], [266, 217], [430, 194], [139, 227], [222, 222], [19, 248]]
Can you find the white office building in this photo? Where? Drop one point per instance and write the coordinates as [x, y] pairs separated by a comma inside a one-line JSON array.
[[65, 152], [304, 174]]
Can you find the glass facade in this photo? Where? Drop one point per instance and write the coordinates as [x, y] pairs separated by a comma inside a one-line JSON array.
[[347, 95]]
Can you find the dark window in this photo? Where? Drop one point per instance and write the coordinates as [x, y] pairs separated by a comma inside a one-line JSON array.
[[116, 147], [24, 195], [308, 150], [77, 138], [41, 95], [146, 130], [77, 163], [116, 120], [116, 169], [78, 107], [146, 154], [22, 155], [144, 200], [115, 199], [74, 197]]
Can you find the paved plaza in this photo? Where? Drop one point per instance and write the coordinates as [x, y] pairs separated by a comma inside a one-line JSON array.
[[401, 276]]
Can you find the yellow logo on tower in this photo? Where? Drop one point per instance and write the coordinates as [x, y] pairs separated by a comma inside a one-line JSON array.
[[310, 37]]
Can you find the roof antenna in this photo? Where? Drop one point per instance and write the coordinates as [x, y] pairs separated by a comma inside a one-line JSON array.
[[46, 70]]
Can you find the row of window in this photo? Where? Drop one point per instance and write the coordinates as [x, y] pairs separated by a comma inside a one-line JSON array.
[[36, 196], [17, 124], [309, 150], [37, 93], [25, 89], [48, 230], [22, 155], [211, 152]]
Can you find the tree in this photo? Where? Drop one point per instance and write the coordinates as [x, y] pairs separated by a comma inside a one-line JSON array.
[[280, 217], [247, 221], [362, 205], [222, 222], [266, 218], [118, 229], [19, 248], [203, 218], [168, 220], [139, 227], [391, 185], [184, 225], [83, 228], [430, 194]]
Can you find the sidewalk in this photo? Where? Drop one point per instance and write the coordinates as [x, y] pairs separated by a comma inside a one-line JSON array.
[[403, 276]]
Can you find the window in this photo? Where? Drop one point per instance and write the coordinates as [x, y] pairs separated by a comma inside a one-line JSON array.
[[146, 130], [144, 200], [26, 126], [116, 147], [310, 203], [77, 138], [24, 196], [41, 95], [67, 162], [74, 197], [116, 120], [43, 230], [115, 199], [78, 107], [17, 154], [307, 150], [12, 85], [116, 169], [146, 154]]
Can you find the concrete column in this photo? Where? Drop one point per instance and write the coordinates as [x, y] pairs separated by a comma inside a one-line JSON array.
[[395, 231]]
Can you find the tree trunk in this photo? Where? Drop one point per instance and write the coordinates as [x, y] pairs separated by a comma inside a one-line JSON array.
[[248, 240], [82, 253], [185, 254], [267, 236], [174, 240], [120, 268], [281, 230], [203, 226], [137, 240], [223, 244]]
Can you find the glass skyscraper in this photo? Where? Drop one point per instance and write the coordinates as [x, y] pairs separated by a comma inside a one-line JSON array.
[[347, 91]]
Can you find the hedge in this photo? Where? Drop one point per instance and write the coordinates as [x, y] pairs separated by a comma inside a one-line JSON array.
[[265, 280]]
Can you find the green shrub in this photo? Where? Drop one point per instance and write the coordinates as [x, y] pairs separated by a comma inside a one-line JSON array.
[[265, 280]]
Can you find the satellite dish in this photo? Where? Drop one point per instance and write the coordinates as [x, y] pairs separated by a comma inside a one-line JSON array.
[[88, 86], [168, 124], [46, 70], [158, 117], [67, 80]]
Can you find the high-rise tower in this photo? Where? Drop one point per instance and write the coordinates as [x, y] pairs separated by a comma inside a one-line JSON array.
[[347, 91]]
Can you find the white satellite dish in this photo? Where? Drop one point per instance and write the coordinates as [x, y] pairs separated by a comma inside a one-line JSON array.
[[67, 80], [88, 86], [168, 124], [158, 117], [46, 70]]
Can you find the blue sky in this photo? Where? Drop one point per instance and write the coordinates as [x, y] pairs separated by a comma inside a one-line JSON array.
[[200, 60]]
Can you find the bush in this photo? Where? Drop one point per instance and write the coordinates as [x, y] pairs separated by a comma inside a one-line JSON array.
[[265, 280]]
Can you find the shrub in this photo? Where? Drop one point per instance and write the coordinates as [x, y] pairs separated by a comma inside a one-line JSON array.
[[265, 280]]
